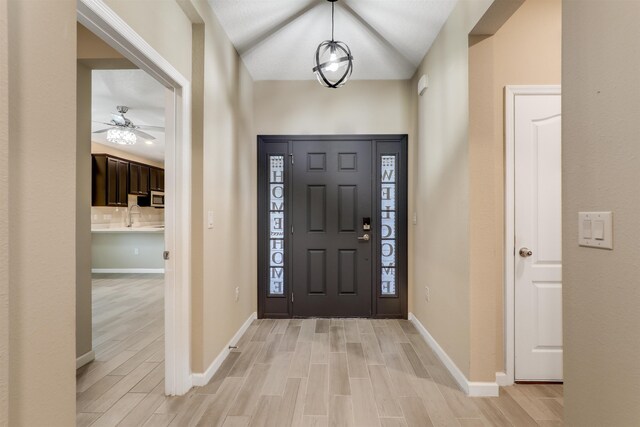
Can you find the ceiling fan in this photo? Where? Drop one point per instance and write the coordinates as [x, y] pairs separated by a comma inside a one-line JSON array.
[[123, 131]]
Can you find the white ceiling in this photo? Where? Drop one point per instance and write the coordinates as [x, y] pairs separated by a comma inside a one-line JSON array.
[[145, 98], [278, 38]]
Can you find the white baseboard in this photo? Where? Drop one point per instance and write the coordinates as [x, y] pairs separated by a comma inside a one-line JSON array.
[[502, 379], [85, 358], [483, 389], [127, 270], [472, 388], [203, 379]]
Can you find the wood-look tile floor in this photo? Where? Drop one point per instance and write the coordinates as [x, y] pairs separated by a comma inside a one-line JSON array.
[[311, 372]]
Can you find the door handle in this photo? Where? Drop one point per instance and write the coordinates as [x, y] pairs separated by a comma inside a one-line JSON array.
[[525, 252], [364, 238]]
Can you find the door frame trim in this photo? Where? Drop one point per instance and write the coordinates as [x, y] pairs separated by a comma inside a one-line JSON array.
[[510, 94], [107, 25]]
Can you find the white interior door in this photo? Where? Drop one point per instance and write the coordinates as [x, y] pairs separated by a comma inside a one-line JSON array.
[[538, 238]]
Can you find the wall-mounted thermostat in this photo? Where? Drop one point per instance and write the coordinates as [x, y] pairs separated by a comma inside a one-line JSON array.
[[423, 84]]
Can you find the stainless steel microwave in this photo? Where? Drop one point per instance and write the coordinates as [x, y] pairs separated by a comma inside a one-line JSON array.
[[157, 199]]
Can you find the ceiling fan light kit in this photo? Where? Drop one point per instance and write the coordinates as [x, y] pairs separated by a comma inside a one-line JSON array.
[[122, 131], [121, 137], [333, 62]]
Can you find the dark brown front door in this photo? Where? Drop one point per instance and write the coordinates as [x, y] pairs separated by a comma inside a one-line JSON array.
[[332, 226], [331, 250]]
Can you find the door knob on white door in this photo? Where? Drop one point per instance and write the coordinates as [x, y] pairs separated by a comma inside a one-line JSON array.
[[525, 252]]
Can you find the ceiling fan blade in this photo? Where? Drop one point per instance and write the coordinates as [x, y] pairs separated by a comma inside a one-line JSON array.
[[119, 119], [142, 134], [101, 131], [103, 123], [146, 127]]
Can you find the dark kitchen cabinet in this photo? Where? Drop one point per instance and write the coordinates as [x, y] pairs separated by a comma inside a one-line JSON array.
[[138, 179], [113, 179], [156, 180], [110, 181]]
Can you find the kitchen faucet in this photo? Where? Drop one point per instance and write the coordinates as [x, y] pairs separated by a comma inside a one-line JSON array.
[[131, 213]]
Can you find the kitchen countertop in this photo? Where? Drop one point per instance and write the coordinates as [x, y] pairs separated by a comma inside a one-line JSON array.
[[134, 229]]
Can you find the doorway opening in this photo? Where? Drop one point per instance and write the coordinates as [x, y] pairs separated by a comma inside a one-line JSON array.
[[100, 21], [123, 159], [332, 226]]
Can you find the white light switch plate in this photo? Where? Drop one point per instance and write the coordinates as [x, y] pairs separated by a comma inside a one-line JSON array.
[[595, 229]]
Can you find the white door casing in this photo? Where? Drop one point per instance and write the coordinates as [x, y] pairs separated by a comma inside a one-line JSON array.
[[106, 24], [537, 227]]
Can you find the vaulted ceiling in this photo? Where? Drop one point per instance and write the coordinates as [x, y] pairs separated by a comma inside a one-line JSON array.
[[278, 38]]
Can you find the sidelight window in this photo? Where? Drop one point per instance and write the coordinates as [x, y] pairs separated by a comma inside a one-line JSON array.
[[388, 225], [276, 225]]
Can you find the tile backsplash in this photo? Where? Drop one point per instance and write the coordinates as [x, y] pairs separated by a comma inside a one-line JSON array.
[[107, 216]]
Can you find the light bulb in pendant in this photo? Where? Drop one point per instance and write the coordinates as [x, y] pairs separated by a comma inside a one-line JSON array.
[[333, 62]]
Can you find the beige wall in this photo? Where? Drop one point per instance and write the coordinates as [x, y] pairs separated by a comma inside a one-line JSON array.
[[225, 182], [105, 149], [600, 109], [117, 250], [226, 186], [42, 172], [42, 296], [441, 236], [197, 204], [96, 54], [360, 107], [83, 211], [526, 50], [163, 25], [4, 216], [305, 107]]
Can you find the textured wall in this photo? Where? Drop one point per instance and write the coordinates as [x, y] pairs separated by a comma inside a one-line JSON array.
[[441, 241], [600, 109], [4, 216], [225, 181], [526, 50], [42, 172], [116, 250], [305, 107], [105, 149], [163, 25]]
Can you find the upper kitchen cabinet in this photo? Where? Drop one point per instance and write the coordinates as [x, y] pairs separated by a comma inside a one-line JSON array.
[[109, 181], [139, 179], [113, 179], [156, 181]]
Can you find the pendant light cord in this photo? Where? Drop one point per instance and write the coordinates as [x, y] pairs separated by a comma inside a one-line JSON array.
[[332, 19]]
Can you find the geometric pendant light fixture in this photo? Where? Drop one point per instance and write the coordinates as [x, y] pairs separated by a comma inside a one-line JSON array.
[[333, 62]]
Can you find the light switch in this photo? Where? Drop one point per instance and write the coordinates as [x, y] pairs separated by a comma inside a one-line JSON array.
[[586, 229], [598, 230], [210, 219], [595, 229]]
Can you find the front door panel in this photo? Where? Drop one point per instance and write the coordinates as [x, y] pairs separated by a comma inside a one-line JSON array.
[[332, 226], [331, 194]]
